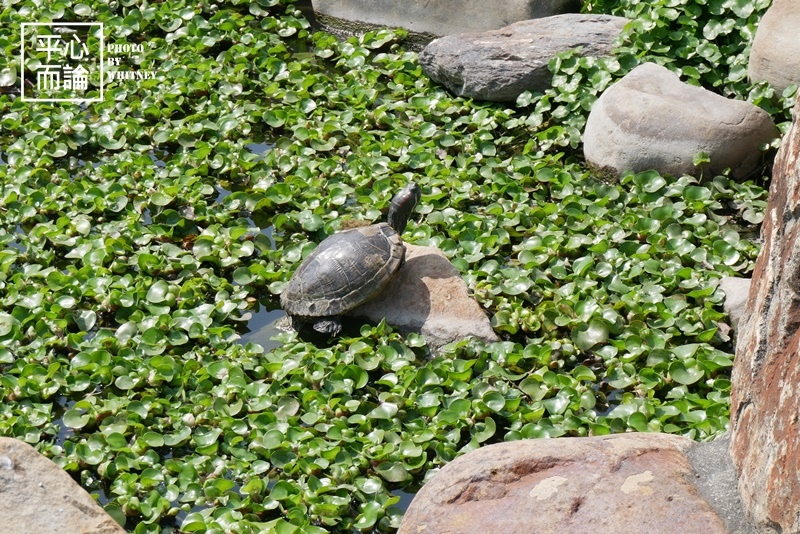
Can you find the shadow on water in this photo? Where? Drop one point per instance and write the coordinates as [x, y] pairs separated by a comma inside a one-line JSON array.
[[307, 10], [262, 327], [405, 499]]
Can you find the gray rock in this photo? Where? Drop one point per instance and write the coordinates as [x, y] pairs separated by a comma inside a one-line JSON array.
[[624, 483], [765, 382], [500, 65], [775, 56], [428, 296], [651, 120], [38, 496], [442, 17], [716, 482], [736, 292]]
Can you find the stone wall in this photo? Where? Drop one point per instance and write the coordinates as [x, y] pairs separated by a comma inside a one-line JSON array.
[[442, 17], [766, 376]]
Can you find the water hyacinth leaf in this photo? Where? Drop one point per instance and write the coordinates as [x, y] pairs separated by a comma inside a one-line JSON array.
[[494, 401], [242, 276], [696, 193], [153, 336], [557, 405], [392, 472], [157, 292], [75, 419], [686, 371], [112, 144], [650, 181], [207, 437], [8, 77], [369, 516], [386, 410], [85, 319], [582, 372], [6, 323], [638, 421], [369, 486], [485, 430], [586, 336]]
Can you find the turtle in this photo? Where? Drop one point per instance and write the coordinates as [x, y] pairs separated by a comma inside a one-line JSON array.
[[348, 269]]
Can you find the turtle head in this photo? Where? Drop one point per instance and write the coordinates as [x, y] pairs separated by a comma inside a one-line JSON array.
[[401, 207]]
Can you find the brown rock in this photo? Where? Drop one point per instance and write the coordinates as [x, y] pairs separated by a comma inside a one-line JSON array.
[[622, 483], [766, 374], [429, 296], [38, 496]]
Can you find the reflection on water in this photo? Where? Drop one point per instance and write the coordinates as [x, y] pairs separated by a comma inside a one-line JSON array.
[[259, 149], [221, 193], [158, 158]]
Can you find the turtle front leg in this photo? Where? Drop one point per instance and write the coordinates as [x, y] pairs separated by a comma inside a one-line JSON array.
[[328, 325]]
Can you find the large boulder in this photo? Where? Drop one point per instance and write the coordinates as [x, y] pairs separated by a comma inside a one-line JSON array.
[[500, 65], [38, 496], [765, 391], [428, 296], [775, 56], [651, 120], [625, 483], [442, 17]]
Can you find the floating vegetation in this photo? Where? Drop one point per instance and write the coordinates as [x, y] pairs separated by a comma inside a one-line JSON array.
[[138, 234]]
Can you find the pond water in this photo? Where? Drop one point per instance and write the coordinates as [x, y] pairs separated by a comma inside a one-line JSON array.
[[262, 327], [259, 149], [16, 244]]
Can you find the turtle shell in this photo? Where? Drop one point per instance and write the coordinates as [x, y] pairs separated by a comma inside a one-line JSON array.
[[344, 271]]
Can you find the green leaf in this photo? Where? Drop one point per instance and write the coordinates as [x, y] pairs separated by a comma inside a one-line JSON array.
[[384, 411], [494, 401], [8, 77], [85, 319], [586, 336], [392, 472], [369, 515], [686, 371], [158, 292], [6, 323], [75, 419]]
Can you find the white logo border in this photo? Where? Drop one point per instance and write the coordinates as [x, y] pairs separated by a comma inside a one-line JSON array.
[[22, 62]]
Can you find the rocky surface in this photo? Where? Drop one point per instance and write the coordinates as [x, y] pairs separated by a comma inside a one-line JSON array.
[[716, 481], [499, 65], [765, 391], [652, 120], [621, 483], [736, 293], [429, 296], [38, 496], [775, 56], [441, 17]]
